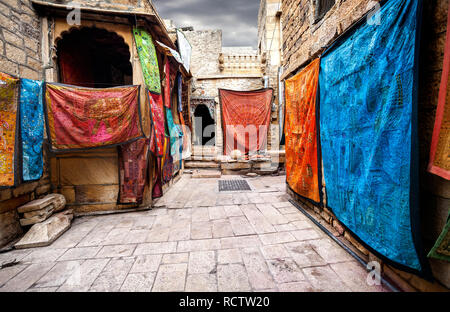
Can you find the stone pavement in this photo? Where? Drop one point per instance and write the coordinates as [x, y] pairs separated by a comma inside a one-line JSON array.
[[195, 239]]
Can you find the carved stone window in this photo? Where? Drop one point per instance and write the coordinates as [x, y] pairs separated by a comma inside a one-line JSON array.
[[321, 7]]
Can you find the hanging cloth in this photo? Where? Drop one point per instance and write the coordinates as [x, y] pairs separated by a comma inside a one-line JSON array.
[[133, 168], [84, 118], [176, 135], [31, 128], [157, 116], [441, 249], [157, 191], [245, 119], [368, 109], [440, 144], [301, 133], [149, 61], [167, 163], [9, 96]]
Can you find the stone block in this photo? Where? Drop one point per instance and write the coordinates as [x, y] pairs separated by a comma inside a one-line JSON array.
[[15, 54], [5, 194], [57, 200], [24, 188], [355, 243], [45, 233], [39, 213], [43, 189], [13, 203], [29, 73], [339, 228], [13, 39]]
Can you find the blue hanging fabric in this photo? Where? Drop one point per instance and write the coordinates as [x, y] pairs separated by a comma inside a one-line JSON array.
[[31, 128], [176, 136], [368, 111], [180, 91]]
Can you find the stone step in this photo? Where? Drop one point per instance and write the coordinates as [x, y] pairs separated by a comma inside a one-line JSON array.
[[191, 164], [202, 158], [206, 174]]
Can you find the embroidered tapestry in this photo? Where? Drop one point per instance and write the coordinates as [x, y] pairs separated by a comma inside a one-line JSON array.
[[441, 249], [176, 136], [301, 132], [157, 115], [440, 144], [149, 61], [133, 166], [9, 95], [167, 163], [31, 128], [157, 190], [82, 118], [245, 119], [368, 111]]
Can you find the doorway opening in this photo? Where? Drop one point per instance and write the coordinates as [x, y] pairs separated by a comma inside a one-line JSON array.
[[205, 129], [94, 57]]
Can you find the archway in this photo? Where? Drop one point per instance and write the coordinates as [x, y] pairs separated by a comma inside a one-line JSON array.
[[94, 57], [205, 131]]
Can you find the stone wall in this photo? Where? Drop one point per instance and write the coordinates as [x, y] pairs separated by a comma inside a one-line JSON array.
[[20, 39], [206, 47], [304, 39], [20, 55], [124, 5], [269, 47]]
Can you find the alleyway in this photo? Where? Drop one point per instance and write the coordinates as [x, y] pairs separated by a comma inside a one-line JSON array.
[[197, 239]]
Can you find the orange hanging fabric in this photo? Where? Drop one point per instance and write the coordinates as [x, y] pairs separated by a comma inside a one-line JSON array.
[[9, 99], [301, 132], [245, 119]]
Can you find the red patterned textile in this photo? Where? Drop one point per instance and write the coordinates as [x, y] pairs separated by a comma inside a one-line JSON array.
[[157, 187], [245, 119], [157, 115], [133, 167], [440, 144], [82, 118]]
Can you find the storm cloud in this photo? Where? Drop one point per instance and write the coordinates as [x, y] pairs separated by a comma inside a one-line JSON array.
[[238, 19]]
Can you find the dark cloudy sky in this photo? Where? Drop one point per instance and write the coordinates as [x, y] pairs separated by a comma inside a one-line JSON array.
[[238, 19]]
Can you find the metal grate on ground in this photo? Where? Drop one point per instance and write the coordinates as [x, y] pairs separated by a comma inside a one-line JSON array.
[[233, 185]]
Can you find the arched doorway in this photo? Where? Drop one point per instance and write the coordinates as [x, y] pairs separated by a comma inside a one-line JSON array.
[[93, 57], [205, 131]]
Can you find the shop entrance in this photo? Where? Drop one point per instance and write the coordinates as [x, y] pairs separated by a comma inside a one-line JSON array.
[[94, 57], [205, 131]]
